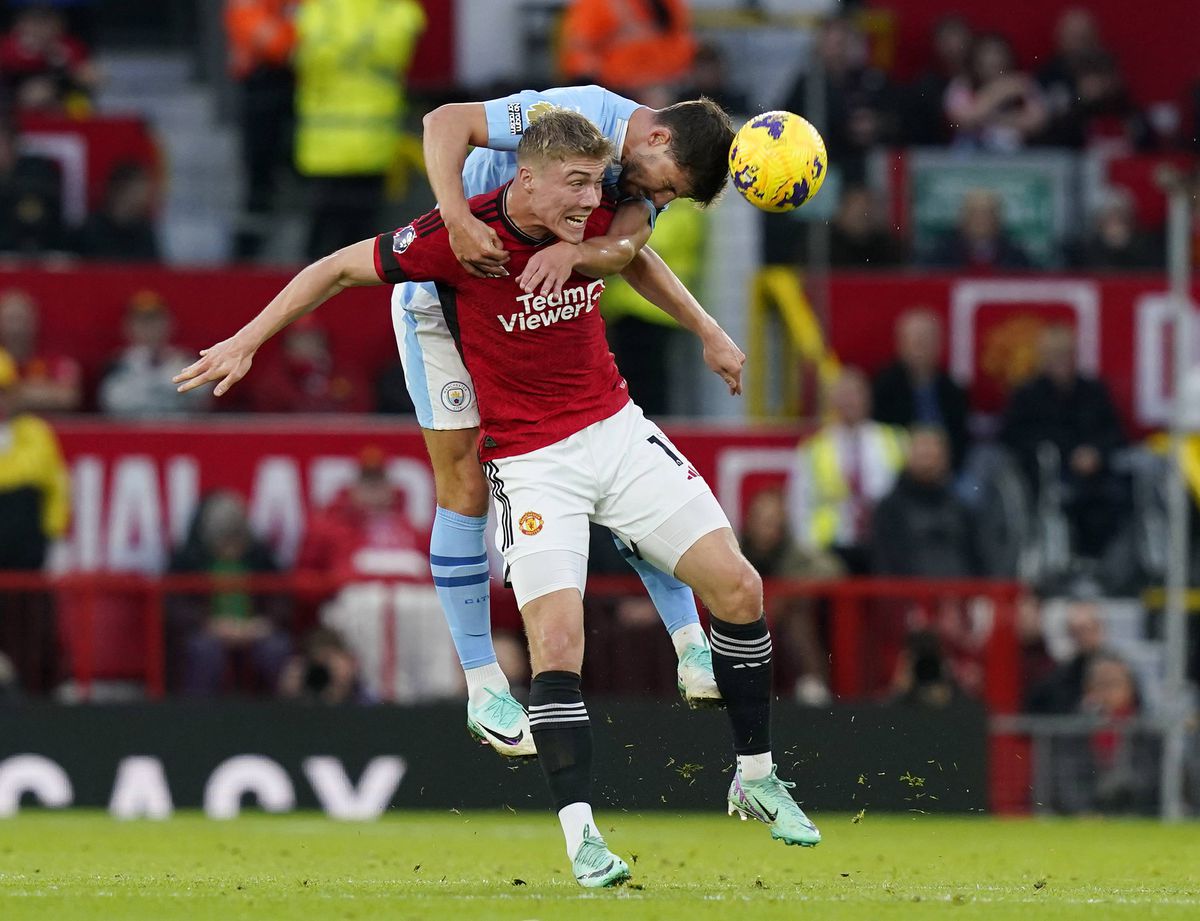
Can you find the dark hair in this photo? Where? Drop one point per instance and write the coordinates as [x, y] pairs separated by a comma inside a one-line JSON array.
[[701, 135], [561, 133]]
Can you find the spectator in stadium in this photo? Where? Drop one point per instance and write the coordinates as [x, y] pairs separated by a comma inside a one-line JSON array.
[[1114, 240], [841, 472], [34, 501], [50, 383], [768, 545], [31, 219], [980, 241], [710, 78], [1101, 112], [994, 107], [138, 380], [914, 390], [643, 338], [924, 675], [34, 510], [123, 229], [1073, 416], [45, 67], [859, 236], [350, 60], [921, 528], [642, 49], [1062, 690], [230, 626], [325, 671], [302, 377], [365, 531], [924, 109], [1076, 43], [860, 104], [262, 36], [1115, 769]]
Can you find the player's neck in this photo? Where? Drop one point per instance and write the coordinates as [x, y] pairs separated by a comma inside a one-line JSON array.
[[518, 206]]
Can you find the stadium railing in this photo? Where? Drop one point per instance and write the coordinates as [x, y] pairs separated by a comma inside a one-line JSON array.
[[864, 614]]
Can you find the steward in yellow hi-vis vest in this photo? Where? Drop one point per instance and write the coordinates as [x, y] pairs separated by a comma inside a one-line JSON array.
[[841, 473], [351, 56], [34, 497]]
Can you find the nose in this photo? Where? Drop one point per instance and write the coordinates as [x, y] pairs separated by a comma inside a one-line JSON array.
[[591, 197]]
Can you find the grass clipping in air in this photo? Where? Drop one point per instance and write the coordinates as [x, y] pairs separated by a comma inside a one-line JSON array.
[[80, 865]]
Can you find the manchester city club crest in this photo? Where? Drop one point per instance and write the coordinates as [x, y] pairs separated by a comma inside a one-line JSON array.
[[456, 396]]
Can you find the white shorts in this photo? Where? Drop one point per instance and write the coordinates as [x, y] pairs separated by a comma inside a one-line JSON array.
[[442, 391], [623, 473]]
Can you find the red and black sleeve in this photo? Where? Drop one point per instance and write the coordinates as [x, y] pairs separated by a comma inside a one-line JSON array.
[[419, 251]]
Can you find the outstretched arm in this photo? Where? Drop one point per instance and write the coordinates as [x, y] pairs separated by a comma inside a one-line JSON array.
[[450, 131], [228, 361], [653, 279]]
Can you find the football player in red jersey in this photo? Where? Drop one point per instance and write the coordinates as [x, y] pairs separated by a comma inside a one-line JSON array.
[[563, 444]]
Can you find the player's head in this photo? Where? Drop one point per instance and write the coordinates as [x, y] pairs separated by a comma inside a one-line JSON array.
[[685, 154], [560, 168]]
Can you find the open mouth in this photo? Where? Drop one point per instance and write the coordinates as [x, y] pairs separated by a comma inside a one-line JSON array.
[[576, 220]]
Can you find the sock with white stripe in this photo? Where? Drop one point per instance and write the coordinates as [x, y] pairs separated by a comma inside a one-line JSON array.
[[458, 558], [563, 736], [741, 656]]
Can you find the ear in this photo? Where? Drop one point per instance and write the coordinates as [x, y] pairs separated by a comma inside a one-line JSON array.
[[659, 136], [525, 177]]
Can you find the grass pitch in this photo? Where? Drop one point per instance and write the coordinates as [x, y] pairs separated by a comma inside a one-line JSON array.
[[77, 866]]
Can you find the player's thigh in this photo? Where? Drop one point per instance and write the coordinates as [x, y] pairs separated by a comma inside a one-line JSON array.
[[654, 500], [442, 391], [554, 619], [543, 502], [716, 570]]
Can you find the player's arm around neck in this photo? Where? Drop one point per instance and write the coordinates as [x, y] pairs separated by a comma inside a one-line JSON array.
[[450, 131], [228, 361], [548, 269], [653, 279]]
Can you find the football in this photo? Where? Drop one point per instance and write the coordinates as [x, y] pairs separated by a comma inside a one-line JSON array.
[[777, 161]]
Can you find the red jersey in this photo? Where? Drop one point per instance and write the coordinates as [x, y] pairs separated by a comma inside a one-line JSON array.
[[541, 365]]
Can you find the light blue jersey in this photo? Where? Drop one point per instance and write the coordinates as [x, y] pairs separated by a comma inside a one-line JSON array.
[[508, 117]]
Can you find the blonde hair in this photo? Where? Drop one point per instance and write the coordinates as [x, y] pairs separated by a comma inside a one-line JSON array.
[[561, 134]]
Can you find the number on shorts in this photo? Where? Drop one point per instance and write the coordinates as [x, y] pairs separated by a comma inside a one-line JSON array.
[[655, 440]]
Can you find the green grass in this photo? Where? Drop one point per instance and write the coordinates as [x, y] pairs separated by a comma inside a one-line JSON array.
[[74, 866]]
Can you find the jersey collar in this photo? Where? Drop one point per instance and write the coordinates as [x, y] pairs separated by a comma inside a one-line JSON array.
[[513, 228]]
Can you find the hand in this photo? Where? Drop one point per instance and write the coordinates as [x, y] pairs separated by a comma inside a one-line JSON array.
[[550, 268], [477, 247], [226, 362], [724, 359]]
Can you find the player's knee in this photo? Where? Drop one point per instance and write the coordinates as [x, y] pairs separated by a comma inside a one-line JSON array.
[[462, 488], [741, 595], [557, 651]]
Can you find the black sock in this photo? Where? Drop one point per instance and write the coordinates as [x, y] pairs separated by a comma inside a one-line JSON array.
[[741, 655], [563, 736]]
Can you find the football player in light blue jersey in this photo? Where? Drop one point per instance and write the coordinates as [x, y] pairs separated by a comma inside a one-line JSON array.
[[663, 154]]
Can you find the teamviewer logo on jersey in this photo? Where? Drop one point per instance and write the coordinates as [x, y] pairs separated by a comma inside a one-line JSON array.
[[538, 311]]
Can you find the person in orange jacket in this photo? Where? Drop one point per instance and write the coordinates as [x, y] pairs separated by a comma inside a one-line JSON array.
[[261, 36], [633, 47]]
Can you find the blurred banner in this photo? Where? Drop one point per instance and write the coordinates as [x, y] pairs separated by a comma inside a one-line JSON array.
[[135, 486], [357, 762], [1123, 329]]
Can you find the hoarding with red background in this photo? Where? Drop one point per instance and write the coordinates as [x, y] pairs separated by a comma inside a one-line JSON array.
[[992, 328]]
